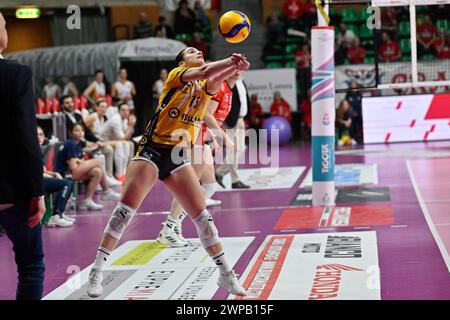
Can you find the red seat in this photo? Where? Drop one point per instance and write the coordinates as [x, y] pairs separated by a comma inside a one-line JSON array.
[[55, 105], [83, 102], [108, 99], [76, 103], [40, 106], [48, 105]]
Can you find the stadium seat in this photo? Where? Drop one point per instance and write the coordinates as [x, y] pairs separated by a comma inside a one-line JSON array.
[[364, 32], [40, 106], [274, 65], [443, 24], [406, 57], [349, 15], [368, 59], [405, 45], [55, 104], [291, 64], [83, 102], [354, 28], [292, 48], [289, 57], [76, 102], [364, 15], [427, 57], [274, 58], [333, 12], [404, 29]]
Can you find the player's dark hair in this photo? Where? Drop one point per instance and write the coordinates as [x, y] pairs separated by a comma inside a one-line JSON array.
[[179, 57]]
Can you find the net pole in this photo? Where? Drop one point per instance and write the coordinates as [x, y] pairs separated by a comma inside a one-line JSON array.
[[413, 32], [323, 109]]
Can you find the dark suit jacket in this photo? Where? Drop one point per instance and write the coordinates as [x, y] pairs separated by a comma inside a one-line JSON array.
[[233, 116], [21, 173], [89, 136]]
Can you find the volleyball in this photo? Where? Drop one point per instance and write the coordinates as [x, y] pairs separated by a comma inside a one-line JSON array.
[[234, 26]]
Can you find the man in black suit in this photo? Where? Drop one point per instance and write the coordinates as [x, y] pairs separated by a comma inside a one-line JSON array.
[[21, 187], [235, 120]]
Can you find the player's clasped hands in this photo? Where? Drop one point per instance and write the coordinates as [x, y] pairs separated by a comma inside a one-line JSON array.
[[240, 61]]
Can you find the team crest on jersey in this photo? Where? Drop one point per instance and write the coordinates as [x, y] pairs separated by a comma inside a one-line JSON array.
[[174, 113]]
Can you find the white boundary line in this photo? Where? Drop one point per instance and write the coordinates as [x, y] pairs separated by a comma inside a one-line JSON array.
[[427, 216]]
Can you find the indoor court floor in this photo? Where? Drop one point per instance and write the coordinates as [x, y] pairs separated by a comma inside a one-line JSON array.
[[387, 238]]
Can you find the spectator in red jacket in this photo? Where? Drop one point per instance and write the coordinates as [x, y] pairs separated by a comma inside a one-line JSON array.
[[280, 107], [256, 112], [303, 57], [425, 36], [389, 50], [356, 54], [444, 51]]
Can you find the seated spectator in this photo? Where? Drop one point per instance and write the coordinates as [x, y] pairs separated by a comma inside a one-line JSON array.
[[389, 22], [256, 113], [345, 36], [124, 89], [69, 89], [158, 86], [184, 19], [93, 144], [389, 50], [292, 9], [444, 51], [303, 57], [356, 54], [275, 29], [143, 28], [51, 89], [96, 122], [70, 160], [163, 29], [307, 113], [280, 107], [200, 44], [97, 89], [119, 127], [55, 183], [354, 98], [201, 18], [340, 53], [439, 40], [425, 36], [344, 123]]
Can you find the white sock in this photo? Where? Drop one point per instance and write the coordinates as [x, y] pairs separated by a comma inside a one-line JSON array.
[[221, 262], [209, 189], [101, 257]]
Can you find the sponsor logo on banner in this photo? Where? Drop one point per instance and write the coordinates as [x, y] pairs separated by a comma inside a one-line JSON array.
[[326, 119], [340, 216], [147, 287], [323, 158], [265, 272], [328, 280], [316, 266]]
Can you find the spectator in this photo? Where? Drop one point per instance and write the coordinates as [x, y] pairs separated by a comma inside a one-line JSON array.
[[256, 113], [202, 19], [158, 86], [198, 43], [164, 29], [70, 160], [389, 50], [143, 28], [440, 12], [93, 144], [55, 183], [439, 40], [121, 125], [345, 36], [340, 53], [21, 187], [280, 107], [309, 14], [344, 123], [51, 89], [389, 22], [292, 9], [444, 51], [69, 89], [303, 57], [356, 54], [97, 89], [160, 34], [96, 123], [354, 98], [184, 19], [425, 36], [307, 113], [275, 29], [124, 89]]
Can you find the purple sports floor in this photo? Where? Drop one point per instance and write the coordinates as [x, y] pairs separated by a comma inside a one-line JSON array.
[[412, 251]]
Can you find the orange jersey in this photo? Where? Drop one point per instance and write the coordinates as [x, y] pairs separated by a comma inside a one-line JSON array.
[[224, 98]]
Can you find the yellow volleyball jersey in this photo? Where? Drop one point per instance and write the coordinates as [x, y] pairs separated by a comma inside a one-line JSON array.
[[180, 111]]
